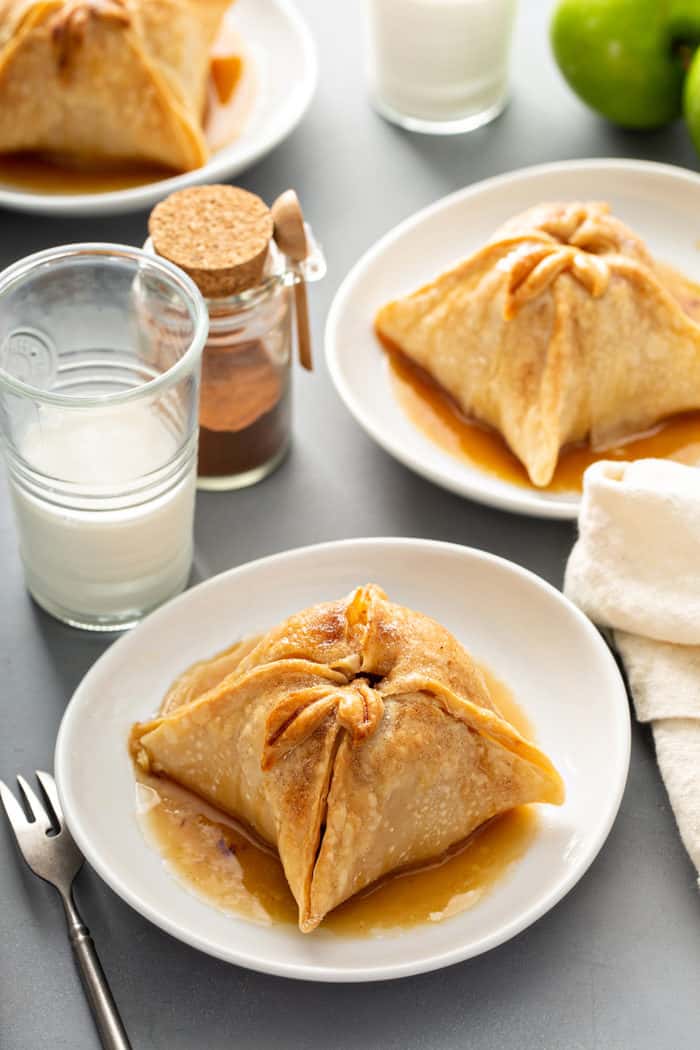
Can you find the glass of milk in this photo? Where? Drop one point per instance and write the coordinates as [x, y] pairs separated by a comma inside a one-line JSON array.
[[439, 66], [100, 350]]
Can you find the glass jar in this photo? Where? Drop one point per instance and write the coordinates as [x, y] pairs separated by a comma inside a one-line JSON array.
[[245, 411]]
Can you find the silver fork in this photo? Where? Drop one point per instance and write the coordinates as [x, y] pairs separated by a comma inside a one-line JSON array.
[[56, 859]]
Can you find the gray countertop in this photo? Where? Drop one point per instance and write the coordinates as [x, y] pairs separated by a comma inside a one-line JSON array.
[[617, 963]]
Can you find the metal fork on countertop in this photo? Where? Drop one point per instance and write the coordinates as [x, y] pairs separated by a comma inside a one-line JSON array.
[[56, 859]]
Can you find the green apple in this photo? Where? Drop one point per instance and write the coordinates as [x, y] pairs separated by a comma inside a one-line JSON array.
[[691, 100], [627, 58]]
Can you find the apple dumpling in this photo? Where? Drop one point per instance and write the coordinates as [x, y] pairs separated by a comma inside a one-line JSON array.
[[357, 738], [562, 328], [93, 81]]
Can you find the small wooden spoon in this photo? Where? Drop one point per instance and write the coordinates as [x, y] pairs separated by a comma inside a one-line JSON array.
[[290, 236]]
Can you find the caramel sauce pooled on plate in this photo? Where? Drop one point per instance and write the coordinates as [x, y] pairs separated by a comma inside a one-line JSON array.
[[435, 413], [22, 171], [228, 866]]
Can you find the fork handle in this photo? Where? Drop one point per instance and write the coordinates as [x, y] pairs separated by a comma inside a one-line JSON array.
[[104, 1009]]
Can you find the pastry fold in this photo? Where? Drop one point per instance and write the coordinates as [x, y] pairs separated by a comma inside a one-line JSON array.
[[94, 81], [561, 328], [357, 738]]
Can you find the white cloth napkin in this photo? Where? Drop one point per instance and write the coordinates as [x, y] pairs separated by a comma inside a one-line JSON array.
[[636, 568]]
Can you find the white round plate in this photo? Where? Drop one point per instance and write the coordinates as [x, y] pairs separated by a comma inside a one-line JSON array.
[[660, 202], [284, 59], [524, 630]]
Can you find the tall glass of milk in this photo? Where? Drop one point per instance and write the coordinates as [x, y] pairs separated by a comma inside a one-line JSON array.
[[439, 66], [100, 349]]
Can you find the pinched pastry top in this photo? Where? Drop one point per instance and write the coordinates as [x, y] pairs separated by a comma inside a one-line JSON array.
[[107, 80], [561, 328], [358, 737]]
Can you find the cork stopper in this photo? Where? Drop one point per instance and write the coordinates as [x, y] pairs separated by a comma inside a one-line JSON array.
[[219, 235]]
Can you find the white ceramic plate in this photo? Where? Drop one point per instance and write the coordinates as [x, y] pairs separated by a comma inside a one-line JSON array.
[[284, 60], [532, 637], [660, 202]]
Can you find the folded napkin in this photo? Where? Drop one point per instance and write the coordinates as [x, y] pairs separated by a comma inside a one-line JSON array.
[[636, 569]]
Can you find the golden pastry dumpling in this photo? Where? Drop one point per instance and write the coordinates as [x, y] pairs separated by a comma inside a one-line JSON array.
[[562, 328], [358, 738], [107, 80]]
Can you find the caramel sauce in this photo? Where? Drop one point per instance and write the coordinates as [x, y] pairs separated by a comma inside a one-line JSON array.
[[230, 96], [32, 174], [435, 413], [453, 884], [222, 862], [506, 704], [212, 855], [226, 71], [232, 90]]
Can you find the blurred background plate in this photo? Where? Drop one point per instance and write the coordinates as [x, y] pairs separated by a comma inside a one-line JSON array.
[[283, 58]]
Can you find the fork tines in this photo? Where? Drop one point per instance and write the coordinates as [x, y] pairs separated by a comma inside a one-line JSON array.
[[45, 817], [53, 857]]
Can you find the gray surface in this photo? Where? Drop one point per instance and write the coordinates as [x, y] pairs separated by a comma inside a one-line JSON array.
[[616, 964]]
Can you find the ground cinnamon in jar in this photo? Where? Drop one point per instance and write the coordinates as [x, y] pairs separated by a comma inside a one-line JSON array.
[[243, 429], [221, 236]]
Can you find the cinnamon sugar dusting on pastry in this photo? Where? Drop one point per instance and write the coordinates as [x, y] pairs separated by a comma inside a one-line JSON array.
[[532, 268], [70, 23]]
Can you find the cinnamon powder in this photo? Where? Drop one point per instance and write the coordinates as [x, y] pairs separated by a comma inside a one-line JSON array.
[[244, 409]]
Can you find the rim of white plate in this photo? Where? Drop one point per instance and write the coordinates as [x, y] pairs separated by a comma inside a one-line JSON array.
[[330, 973]]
